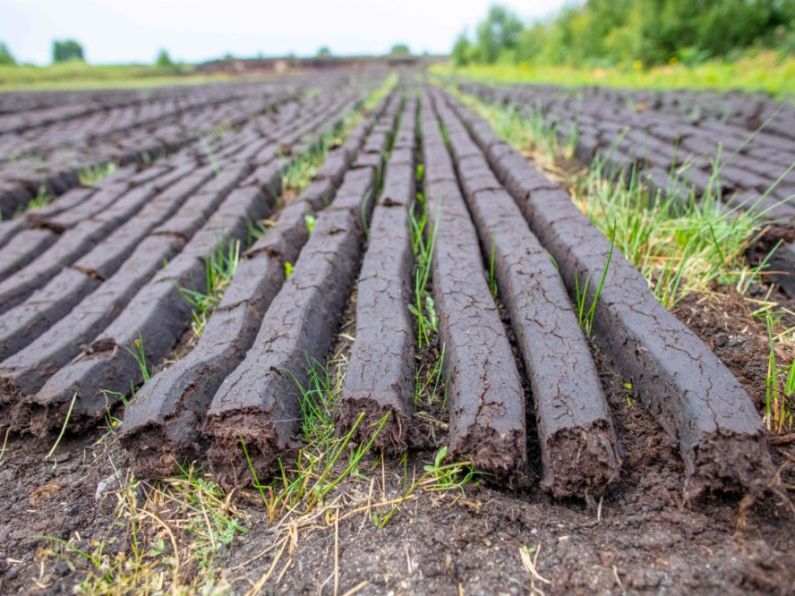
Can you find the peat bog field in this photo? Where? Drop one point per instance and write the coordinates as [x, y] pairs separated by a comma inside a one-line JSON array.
[[370, 331]]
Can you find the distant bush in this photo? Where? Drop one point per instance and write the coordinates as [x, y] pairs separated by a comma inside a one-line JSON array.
[[644, 32], [66, 51], [324, 52], [6, 57], [400, 49], [164, 60]]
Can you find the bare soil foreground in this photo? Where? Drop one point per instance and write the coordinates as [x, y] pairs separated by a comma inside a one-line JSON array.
[[369, 332]]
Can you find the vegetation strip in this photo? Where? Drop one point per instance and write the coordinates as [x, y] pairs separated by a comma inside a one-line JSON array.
[[692, 395]]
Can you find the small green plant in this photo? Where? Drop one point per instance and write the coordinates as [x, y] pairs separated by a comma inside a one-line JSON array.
[[423, 239], [778, 397], [437, 477], [219, 269], [492, 276], [43, 197], [288, 269], [587, 312], [429, 386], [205, 144], [255, 231], [63, 428], [138, 352], [447, 477], [93, 174], [310, 221]]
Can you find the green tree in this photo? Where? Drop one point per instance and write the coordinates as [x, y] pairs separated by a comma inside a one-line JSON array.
[[66, 50], [498, 33], [604, 32], [6, 57], [400, 49], [461, 50], [324, 52], [164, 60]]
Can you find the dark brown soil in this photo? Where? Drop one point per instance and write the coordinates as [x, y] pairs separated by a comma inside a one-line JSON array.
[[641, 538]]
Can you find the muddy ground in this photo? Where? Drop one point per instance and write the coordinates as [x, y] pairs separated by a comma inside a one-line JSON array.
[[642, 537]]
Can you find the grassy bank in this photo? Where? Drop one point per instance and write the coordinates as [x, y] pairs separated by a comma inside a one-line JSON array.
[[79, 75], [764, 71]]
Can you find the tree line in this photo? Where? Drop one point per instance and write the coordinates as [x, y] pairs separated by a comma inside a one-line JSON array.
[[70, 50], [648, 32]]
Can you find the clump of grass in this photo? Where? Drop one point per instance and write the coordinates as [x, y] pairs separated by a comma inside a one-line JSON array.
[[325, 460], [138, 352], [446, 477], [173, 530], [93, 174], [423, 239], [586, 313], [681, 246], [43, 197], [493, 287], [533, 133], [206, 146], [255, 231], [219, 269], [303, 168], [429, 385], [779, 387]]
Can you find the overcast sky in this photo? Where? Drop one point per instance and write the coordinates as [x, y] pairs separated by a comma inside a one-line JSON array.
[[114, 31]]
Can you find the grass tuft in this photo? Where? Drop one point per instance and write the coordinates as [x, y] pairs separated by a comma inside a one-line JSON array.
[[174, 529], [219, 269], [325, 460], [93, 174], [586, 316], [423, 239], [779, 401]]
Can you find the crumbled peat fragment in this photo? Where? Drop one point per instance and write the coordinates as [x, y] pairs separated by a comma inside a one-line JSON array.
[[487, 403], [576, 436], [691, 394]]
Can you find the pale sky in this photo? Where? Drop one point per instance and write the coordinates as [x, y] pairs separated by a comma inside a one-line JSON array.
[[114, 31]]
